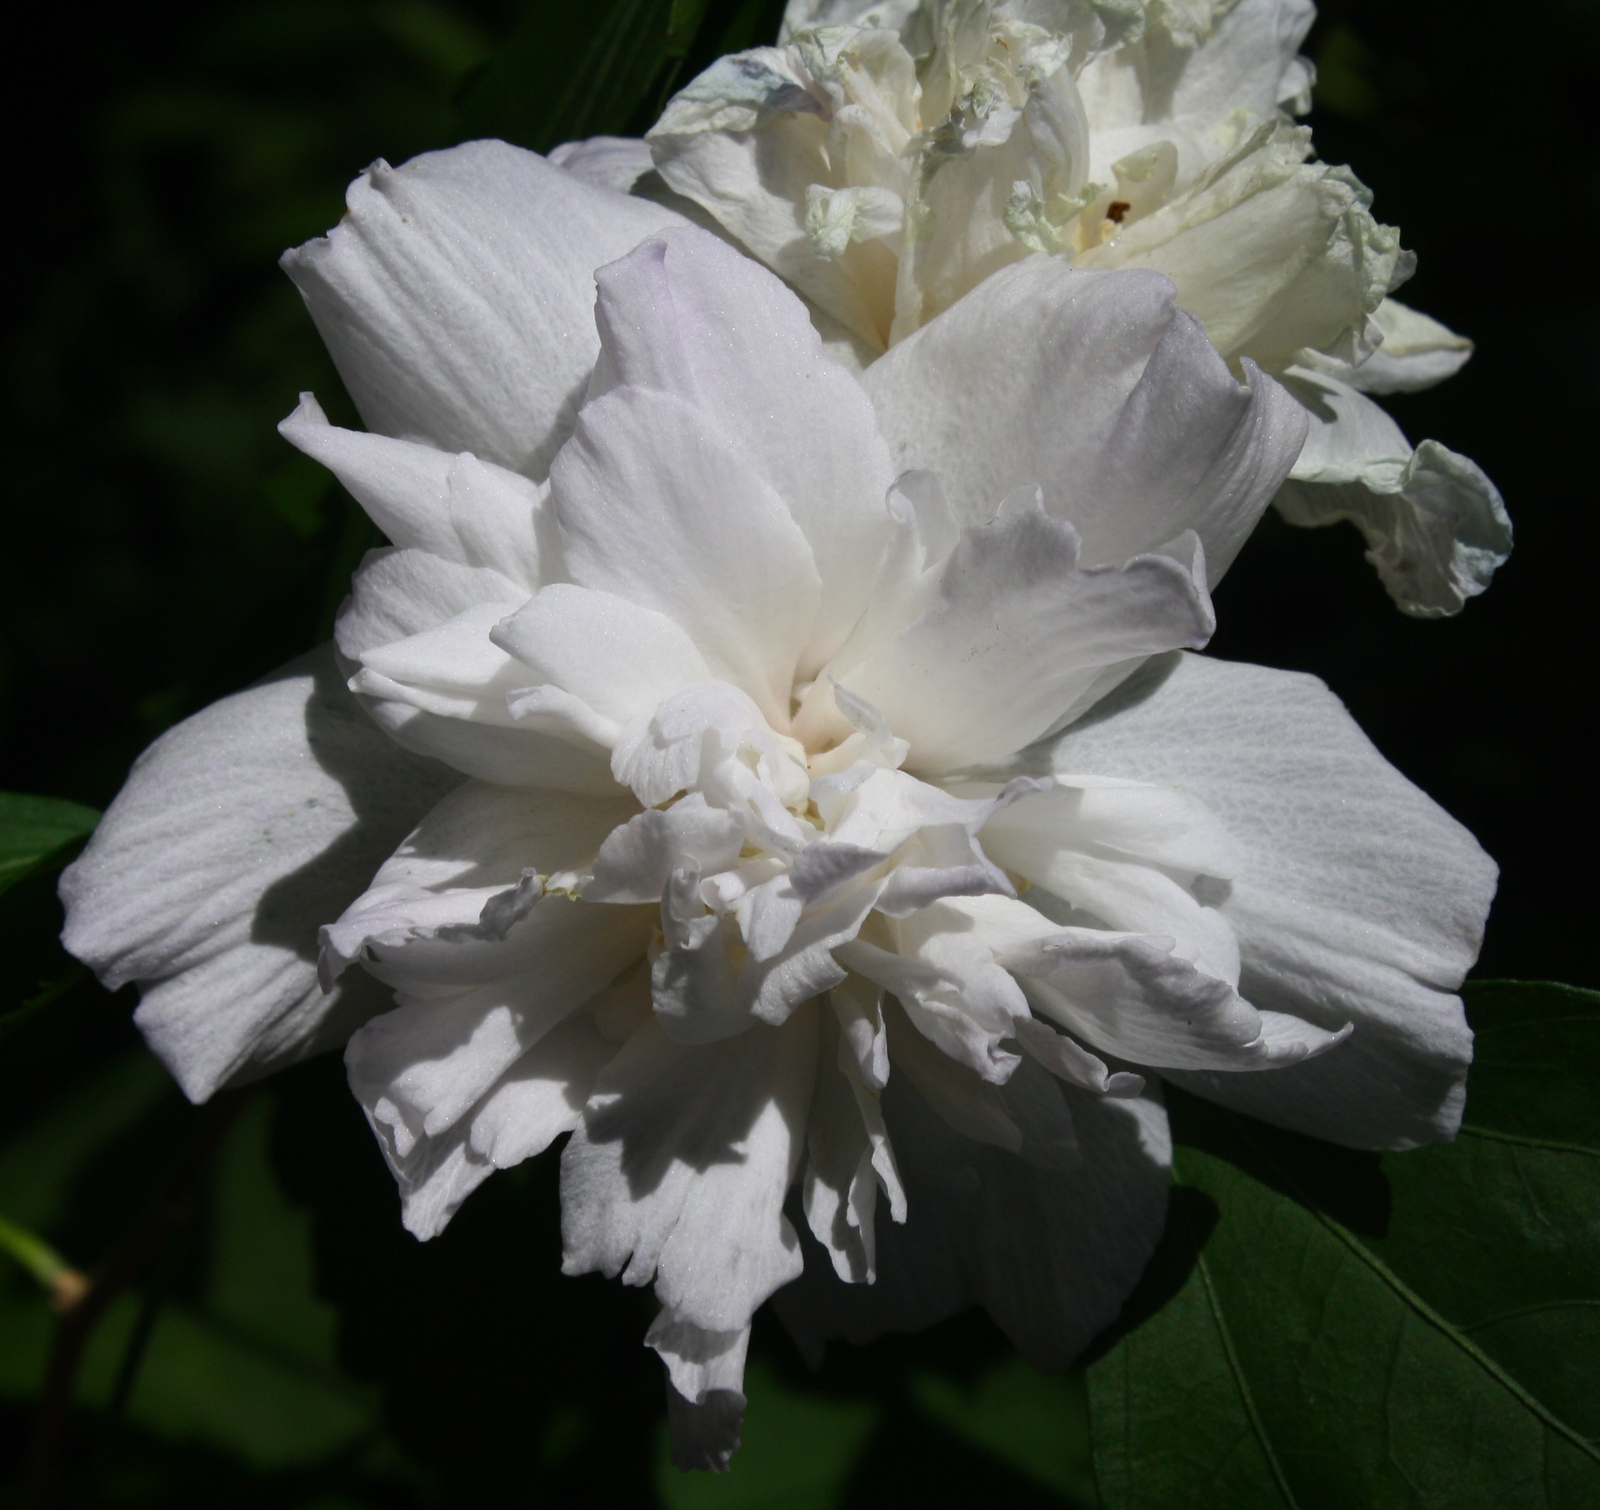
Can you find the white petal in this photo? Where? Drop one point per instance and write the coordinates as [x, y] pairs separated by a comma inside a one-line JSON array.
[[542, 1095], [685, 314], [1051, 1253], [453, 669], [1435, 526], [705, 1389], [1130, 996], [1112, 819], [400, 593], [471, 850], [1102, 393], [1242, 62], [606, 162], [237, 833], [454, 507], [456, 297], [656, 507], [1357, 899], [1017, 634], [617, 657], [638, 857], [680, 1168]]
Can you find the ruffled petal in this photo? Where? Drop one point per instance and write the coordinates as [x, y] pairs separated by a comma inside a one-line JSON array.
[[236, 835], [679, 1170], [1435, 526], [1274, 254], [1100, 391], [1356, 898], [1417, 352], [457, 296]]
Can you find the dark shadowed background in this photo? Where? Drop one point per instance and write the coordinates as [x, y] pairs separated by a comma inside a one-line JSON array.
[[291, 1346]]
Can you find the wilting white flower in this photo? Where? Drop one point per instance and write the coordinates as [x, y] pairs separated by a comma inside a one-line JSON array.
[[885, 159], [793, 786]]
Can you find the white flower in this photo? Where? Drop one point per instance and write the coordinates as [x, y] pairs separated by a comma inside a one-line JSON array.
[[807, 788], [886, 159]]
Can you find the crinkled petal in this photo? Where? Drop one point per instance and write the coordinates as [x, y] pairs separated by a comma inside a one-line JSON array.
[[1435, 526], [457, 297], [1417, 352], [236, 835]]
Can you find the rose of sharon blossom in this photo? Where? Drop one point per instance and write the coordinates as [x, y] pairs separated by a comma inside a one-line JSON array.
[[886, 158], [836, 851]]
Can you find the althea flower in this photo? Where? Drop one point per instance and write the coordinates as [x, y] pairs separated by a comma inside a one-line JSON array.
[[886, 158], [793, 787]]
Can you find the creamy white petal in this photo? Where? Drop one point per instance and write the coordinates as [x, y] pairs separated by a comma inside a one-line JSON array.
[[745, 141], [686, 314], [679, 1170], [1273, 253], [1131, 996], [1417, 352], [656, 507], [237, 833], [1357, 898], [1100, 391], [457, 296], [1435, 526], [455, 507]]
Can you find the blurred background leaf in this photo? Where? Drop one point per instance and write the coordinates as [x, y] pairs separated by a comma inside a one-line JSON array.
[[1418, 1328], [37, 830]]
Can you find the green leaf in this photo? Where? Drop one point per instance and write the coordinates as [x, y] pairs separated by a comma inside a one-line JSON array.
[[1344, 1329], [796, 1453], [36, 830], [571, 71]]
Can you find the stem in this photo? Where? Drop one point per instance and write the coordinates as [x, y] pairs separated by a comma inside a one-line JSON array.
[[145, 1237]]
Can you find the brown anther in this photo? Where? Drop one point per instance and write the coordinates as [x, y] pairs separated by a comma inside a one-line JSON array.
[[1117, 209]]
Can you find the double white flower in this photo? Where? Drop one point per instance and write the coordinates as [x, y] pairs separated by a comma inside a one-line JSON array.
[[886, 158], [781, 780]]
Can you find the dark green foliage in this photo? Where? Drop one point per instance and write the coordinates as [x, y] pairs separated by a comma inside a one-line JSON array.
[[1418, 1329]]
